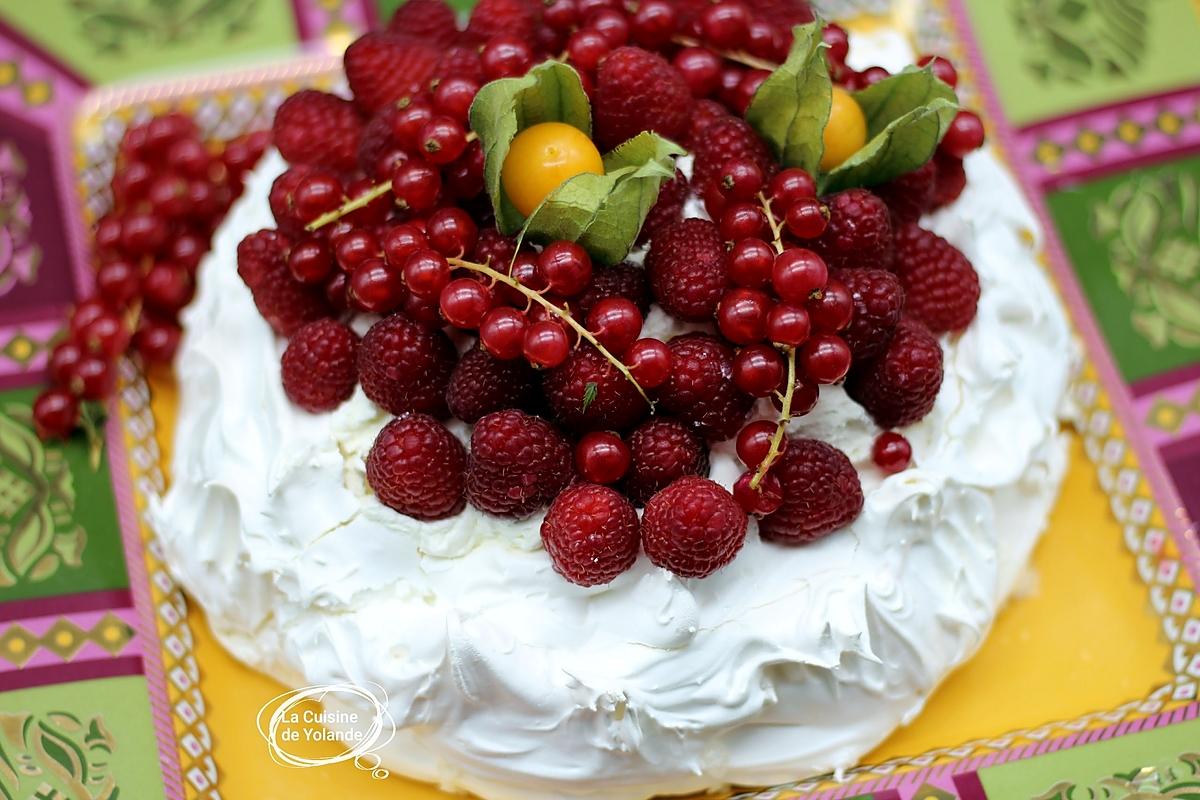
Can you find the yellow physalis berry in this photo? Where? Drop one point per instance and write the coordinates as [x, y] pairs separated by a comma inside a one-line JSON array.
[[846, 132], [541, 157]]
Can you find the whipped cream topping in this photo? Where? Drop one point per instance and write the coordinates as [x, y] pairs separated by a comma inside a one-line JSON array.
[[510, 682]]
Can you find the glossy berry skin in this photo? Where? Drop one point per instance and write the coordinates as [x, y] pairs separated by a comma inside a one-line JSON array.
[[55, 414], [750, 263], [726, 25], [741, 180], [591, 534], [701, 70], [966, 134], [426, 274], [821, 492], [807, 218], [416, 185], [788, 325], [502, 332], [375, 287], [118, 282], [355, 247], [758, 370], [602, 457], [566, 267], [649, 360], [417, 468], [611, 24], [693, 528], [311, 261], [453, 97], [464, 302], [505, 57], [943, 69], [586, 47], [891, 452], [616, 323], [797, 273], [743, 221], [62, 362], [766, 499], [789, 187], [833, 309], [825, 358], [168, 287], [443, 139], [653, 24], [452, 232], [106, 335], [401, 241], [742, 315], [754, 442], [95, 378], [157, 339], [546, 344]]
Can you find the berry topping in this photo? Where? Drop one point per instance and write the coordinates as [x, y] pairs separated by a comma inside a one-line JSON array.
[[404, 366], [910, 195], [637, 90], [623, 280], [859, 233], [878, 304], [591, 534], [589, 393], [482, 383], [725, 139], [821, 493], [517, 465], [319, 366], [430, 21], [284, 303], [417, 467], [662, 450], [700, 391], [382, 68], [601, 457], [901, 385], [941, 287], [317, 128], [693, 527], [687, 267], [891, 452]]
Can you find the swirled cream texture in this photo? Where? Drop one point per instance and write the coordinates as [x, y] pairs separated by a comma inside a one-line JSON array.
[[508, 681]]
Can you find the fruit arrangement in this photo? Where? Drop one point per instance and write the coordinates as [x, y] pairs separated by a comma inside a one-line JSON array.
[[514, 184], [170, 191]]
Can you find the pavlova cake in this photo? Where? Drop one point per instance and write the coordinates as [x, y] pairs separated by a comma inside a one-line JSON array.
[[646, 397]]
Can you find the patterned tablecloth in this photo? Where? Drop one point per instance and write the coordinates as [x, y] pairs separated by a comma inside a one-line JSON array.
[[111, 686]]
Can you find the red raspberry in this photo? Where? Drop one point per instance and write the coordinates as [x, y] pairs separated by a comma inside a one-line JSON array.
[[281, 200], [417, 467], [668, 208], [900, 386], [910, 195], [785, 14], [381, 68], [693, 527], [490, 18], [518, 464], [377, 139], [688, 269], [663, 450], [429, 21], [700, 391], [704, 113], [623, 280], [951, 179], [283, 302], [481, 384], [724, 139], [404, 366], [637, 90], [616, 404], [821, 493], [859, 233], [461, 62], [878, 305], [591, 534], [941, 287], [318, 128], [494, 248], [319, 370]]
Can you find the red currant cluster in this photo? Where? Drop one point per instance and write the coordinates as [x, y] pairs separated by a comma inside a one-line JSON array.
[[170, 190]]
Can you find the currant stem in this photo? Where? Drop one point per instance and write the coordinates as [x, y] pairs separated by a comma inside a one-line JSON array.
[[565, 316], [784, 416], [362, 201], [740, 56], [776, 229]]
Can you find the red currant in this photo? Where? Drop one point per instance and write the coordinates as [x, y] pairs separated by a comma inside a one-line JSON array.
[[62, 362], [891, 452], [741, 180], [798, 273], [407, 124], [187, 249], [788, 325], [131, 182], [616, 323], [190, 157], [765, 41], [426, 274], [157, 339], [601, 457], [451, 231], [355, 247], [611, 24], [465, 302], [502, 332], [118, 283], [422, 311], [106, 335], [168, 197], [742, 315], [453, 97], [726, 25], [807, 218], [700, 68], [758, 370], [754, 442], [943, 70], [965, 135], [317, 194], [747, 88], [94, 378], [764, 500], [416, 186], [505, 57], [401, 241], [311, 261], [168, 287], [790, 186], [805, 395], [838, 42], [649, 361], [566, 267], [743, 221], [546, 344], [443, 139], [373, 213], [825, 358], [375, 287], [143, 234], [55, 414], [653, 24], [586, 47], [464, 178], [562, 15], [833, 309], [750, 263]]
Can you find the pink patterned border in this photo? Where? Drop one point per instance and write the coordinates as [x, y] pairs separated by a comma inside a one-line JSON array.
[[1182, 394], [90, 651], [1152, 465]]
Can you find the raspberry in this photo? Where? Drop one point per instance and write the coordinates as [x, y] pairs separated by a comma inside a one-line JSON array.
[[285, 304], [821, 493], [910, 195], [319, 371], [623, 280], [588, 393], [481, 384], [668, 208], [377, 139], [878, 304], [404, 366], [785, 14], [518, 464], [381, 68], [429, 21], [287, 219], [417, 467], [314, 127], [517, 18], [494, 248], [700, 391], [687, 264], [859, 233], [941, 287], [637, 90], [900, 386], [591, 534], [693, 527], [951, 179], [461, 62], [725, 139], [704, 113], [663, 450]]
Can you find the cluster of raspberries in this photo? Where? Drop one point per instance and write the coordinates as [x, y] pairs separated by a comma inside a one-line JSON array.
[[849, 284]]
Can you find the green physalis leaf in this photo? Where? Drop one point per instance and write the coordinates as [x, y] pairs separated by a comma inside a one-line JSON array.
[[791, 107], [907, 116], [550, 92], [590, 392], [604, 213]]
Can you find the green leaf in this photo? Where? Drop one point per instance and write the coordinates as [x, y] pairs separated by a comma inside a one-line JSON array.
[[604, 213], [791, 107], [550, 92], [590, 392], [907, 116]]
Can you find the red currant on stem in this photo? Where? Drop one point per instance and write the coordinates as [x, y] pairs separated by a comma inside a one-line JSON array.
[[375, 287], [566, 267], [426, 274], [401, 241], [743, 221], [750, 263], [726, 25], [790, 186], [943, 70], [754, 442], [453, 97], [451, 231], [965, 135], [168, 287], [443, 140], [505, 57], [832, 309], [762, 498], [94, 378], [653, 23], [616, 323], [601, 457], [701, 70], [354, 248], [741, 180], [62, 362], [825, 358], [407, 124], [788, 325], [742, 315], [416, 186], [611, 24], [502, 332], [465, 302], [55, 414], [311, 261], [807, 218], [797, 273], [546, 344], [106, 335], [649, 360], [586, 47], [758, 370], [118, 283], [157, 339], [891, 452], [561, 15]]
